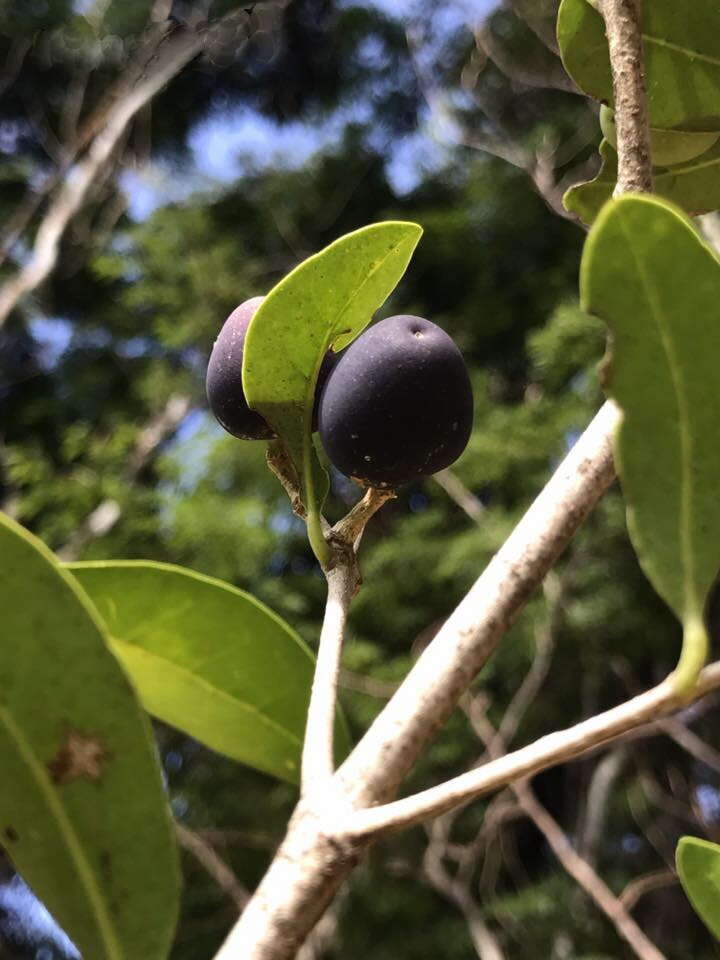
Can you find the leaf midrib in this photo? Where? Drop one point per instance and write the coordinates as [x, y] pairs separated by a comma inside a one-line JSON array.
[[358, 290], [334, 332]]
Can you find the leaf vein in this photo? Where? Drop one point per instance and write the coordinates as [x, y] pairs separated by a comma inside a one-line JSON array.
[[685, 51]]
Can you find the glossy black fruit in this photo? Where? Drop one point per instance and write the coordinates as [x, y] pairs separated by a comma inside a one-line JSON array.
[[224, 378], [398, 404]]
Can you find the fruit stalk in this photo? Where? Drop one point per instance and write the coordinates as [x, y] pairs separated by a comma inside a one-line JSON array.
[[313, 520]]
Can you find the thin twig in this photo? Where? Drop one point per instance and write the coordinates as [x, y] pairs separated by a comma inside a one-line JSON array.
[[343, 579], [71, 149], [487, 946], [668, 804], [546, 752], [213, 864], [370, 686], [578, 868], [638, 887], [691, 743], [457, 884], [318, 764], [319, 849], [584, 875], [459, 493], [149, 442], [179, 50], [350, 529], [624, 33], [602, 781], [537, 674]]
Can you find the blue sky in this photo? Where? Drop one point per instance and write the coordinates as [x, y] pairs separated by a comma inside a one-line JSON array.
[[230, 143]]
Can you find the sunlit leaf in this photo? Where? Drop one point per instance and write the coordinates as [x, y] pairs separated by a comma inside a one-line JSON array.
[[82, 809], [698, 865], [682, 58], [208, 659], [648, 274]]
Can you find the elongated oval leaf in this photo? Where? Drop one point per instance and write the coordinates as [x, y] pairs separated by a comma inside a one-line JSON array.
[[682, 58], [325, 302], [698, 865], [694, 185], [82, 809], [647, 273], [208, 659]]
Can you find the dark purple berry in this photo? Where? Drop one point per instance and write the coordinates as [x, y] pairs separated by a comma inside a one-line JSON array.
[[224, 378], [397, 405]]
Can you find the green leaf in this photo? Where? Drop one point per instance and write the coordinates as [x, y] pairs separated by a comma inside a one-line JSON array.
[[694, 185], [325, 302], [586, 200], [698, 865], [321, 464], [208, 659], [682, 58], [646, 272], [83, 814]]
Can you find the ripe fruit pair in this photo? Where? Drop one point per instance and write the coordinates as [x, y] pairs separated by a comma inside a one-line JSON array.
[[394, 406]]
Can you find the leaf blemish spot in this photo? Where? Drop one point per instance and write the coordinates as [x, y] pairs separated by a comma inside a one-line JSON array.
[[11, 834], [80, 755]]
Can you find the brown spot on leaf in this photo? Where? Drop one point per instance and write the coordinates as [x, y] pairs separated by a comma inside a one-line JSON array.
[[81, 755], [11, 834]]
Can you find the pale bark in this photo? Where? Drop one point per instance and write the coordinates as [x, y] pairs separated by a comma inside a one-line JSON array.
[[318, 765], [548, 751], [469, 636]]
